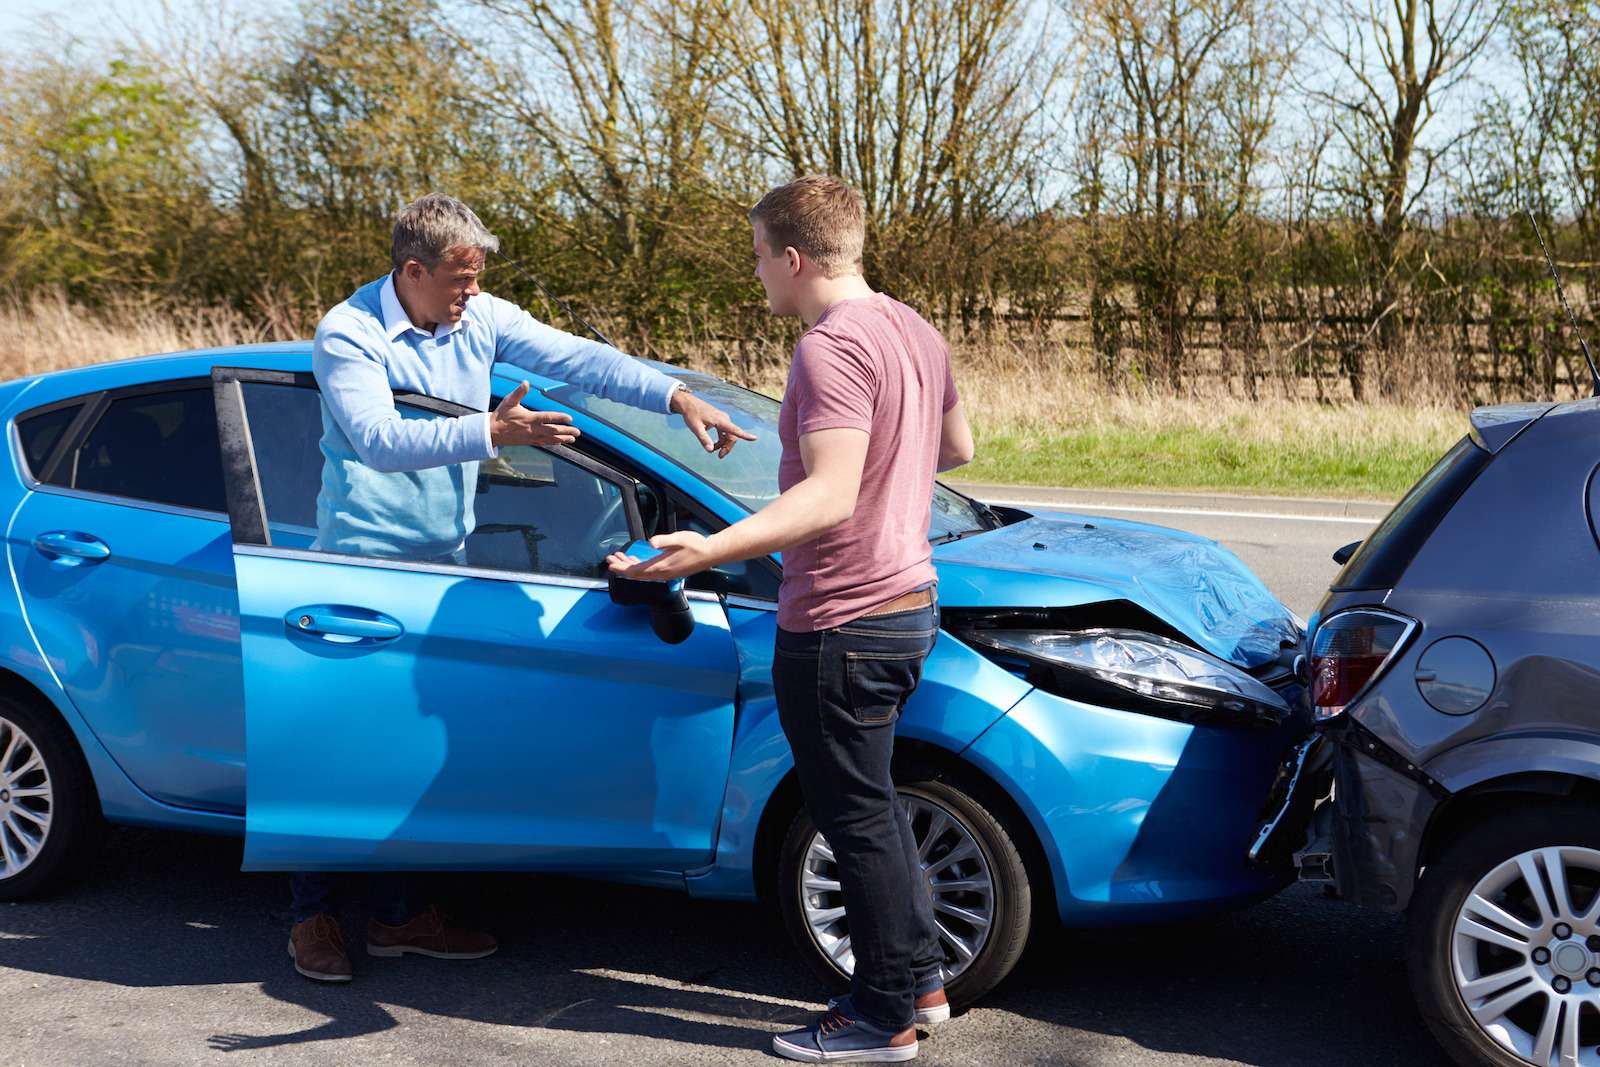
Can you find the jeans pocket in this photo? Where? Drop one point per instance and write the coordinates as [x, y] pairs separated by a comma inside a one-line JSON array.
[[879, 683]]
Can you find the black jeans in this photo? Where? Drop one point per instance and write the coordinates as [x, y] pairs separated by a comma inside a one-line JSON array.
[[314, 892], [839, 693]]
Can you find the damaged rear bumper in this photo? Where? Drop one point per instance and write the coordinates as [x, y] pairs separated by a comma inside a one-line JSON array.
[[1365, 838]]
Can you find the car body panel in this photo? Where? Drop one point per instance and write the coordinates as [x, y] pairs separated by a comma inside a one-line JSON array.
[[1191, 583], [1141, 816], [134, 637], [514, 724]]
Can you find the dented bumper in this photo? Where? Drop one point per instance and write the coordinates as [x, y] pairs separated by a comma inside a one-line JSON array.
[[1367, 839]]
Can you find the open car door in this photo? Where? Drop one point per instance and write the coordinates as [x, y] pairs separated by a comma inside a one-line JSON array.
[[435, 675]]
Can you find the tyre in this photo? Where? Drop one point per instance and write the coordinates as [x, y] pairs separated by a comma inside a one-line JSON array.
[[982, 894], [1504, 939], [48, 809]]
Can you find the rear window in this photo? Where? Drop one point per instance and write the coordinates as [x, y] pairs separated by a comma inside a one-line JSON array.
[[160, 447], [41, 433], [1384, 556]]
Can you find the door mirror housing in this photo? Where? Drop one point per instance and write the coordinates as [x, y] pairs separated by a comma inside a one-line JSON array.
[[668, 603], [1342, 555]]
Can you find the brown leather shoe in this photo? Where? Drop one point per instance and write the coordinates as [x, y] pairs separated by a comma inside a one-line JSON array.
[[317, 948], [428, 934]]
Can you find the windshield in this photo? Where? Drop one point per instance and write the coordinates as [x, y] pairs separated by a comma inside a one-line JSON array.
[[749, 474]]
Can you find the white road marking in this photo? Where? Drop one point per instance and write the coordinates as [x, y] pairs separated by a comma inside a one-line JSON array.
[[1084, 509]]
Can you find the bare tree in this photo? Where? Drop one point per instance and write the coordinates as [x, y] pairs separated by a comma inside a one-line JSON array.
[[931, 108], [1395, 64], [1190, 88]]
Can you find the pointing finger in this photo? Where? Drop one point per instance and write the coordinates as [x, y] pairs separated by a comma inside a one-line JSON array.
[[700, 431]]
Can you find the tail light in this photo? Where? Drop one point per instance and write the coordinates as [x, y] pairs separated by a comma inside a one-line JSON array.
[[1349, 652]]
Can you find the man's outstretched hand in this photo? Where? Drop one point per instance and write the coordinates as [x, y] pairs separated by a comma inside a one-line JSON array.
[[681, 554], [513, 424], [700, 417]]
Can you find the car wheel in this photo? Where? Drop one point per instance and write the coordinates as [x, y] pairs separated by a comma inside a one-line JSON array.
[[1504, 939], [47, 808], [982, 896]]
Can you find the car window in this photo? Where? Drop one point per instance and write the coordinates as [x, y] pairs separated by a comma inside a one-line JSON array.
[[41, 433], [748, 474], [526, 511], [747, 577], [159, 447]]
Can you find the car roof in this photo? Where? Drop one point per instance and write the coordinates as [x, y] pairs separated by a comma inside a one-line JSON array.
[[50, 386]]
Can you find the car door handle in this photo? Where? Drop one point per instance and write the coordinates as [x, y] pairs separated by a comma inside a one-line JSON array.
[[73, 546], [329, 621]]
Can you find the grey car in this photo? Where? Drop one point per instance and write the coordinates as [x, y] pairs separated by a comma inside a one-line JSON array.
[[1455, 679]]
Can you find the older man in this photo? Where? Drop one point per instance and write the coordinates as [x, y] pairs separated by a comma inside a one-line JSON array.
[[426, 328]]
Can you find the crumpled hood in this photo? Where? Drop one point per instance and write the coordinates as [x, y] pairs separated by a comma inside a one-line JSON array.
[[1055, 559]]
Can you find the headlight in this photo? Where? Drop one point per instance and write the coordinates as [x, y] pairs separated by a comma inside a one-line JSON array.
[[1137, 672]]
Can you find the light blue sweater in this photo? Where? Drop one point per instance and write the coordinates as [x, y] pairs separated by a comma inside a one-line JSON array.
[[400, 484]]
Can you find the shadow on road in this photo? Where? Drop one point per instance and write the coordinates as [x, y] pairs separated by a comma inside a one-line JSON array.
[[1297, 980]]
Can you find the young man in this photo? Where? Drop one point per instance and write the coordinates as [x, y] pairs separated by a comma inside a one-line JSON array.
[[869, 415], [396, 487]]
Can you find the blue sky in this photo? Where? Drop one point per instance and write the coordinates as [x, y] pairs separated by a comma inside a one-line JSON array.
[[24, 23]]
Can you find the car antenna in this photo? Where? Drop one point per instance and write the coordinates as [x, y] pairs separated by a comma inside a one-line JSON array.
[[586, 324], [1562, 296]]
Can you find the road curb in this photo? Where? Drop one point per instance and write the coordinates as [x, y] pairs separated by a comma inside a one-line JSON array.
[[1165, 499]]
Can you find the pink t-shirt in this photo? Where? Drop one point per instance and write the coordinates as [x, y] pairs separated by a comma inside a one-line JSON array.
[[870, 364]]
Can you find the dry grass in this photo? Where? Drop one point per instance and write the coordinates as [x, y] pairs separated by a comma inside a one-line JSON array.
[[48, 333], [1040, 417]]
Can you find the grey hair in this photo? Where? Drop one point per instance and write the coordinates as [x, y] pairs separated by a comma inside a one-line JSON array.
[[428, 228]]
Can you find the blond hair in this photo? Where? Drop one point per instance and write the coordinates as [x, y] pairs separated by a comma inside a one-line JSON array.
[[819, 216]]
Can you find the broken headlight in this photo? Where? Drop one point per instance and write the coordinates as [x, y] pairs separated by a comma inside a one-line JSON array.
[[1135, 671]]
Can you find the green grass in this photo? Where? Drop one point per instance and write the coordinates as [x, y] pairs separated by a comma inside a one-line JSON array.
[[1302, 460]]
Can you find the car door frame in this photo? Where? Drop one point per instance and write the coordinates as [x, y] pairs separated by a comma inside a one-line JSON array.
[[247, 512]]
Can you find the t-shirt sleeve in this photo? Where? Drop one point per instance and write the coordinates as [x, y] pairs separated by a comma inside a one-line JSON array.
[[951, 397], [832, 387]]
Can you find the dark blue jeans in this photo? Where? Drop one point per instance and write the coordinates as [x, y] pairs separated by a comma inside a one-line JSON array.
[[839, 693], [320, 891]]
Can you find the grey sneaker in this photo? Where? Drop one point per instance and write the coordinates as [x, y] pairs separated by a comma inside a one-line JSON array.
[[837, 1038]]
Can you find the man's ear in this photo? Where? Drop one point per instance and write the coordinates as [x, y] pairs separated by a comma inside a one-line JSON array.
[[791, 256], [412, 271]]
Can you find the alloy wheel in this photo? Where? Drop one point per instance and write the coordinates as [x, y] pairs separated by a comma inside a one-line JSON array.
[[26, 800], [958, 877], [1525, 954]]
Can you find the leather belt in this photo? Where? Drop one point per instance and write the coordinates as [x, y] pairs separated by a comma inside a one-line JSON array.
[[917, 598]]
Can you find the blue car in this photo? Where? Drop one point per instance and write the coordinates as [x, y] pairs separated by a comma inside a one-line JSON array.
[[1096, 736]]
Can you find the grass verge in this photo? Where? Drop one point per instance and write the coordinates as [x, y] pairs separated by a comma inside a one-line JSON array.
[[1360, 467]]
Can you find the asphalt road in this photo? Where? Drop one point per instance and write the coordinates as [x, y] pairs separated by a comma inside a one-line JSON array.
[[166, 954]]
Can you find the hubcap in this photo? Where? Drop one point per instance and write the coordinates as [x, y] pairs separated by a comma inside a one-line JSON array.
[[25, 800], [1523, 949], [958, 878]]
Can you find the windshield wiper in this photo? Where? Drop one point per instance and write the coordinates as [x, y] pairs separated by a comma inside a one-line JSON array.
[[953, 535]]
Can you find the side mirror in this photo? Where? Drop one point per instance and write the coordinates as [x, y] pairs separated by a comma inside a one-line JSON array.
[[668, 604], [1342, 556]]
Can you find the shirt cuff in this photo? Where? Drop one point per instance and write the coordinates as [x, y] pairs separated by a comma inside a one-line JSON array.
[[489, 451], [673, 386]]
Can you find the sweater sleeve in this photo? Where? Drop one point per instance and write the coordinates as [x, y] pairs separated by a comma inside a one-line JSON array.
[[524, 341], [355, 386]]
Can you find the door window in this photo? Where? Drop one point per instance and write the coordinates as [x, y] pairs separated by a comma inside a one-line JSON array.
[[526, 511], [159, 447]]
